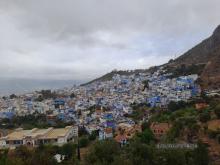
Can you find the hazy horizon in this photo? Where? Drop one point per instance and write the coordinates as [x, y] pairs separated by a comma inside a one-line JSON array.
[[21, 86]]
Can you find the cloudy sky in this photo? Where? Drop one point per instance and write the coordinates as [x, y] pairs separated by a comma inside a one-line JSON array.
[[83, 39]]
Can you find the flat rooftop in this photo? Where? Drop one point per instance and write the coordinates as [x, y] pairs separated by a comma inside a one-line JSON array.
[[50, 133]]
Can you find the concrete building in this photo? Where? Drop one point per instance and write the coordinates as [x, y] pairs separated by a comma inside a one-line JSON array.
[[160, 129], [35, 137]]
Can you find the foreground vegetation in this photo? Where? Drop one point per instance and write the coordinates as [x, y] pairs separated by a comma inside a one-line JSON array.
[[43, 155], [189, 125], [139, 151]]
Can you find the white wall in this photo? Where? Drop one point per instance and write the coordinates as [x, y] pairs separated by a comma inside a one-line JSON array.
[[61, 140], [2, 143]]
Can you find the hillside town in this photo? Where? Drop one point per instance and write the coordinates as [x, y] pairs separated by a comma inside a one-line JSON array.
[[109, 82], [104, 106]]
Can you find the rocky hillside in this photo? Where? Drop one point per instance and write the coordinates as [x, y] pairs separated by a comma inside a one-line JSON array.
[[211, 73], [201, 53], [207, 53], [203, 59]]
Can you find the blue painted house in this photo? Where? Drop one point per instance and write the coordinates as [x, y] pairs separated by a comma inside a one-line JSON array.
[[152, 101]]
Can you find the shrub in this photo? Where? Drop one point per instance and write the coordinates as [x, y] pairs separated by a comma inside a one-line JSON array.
[[83, 141]]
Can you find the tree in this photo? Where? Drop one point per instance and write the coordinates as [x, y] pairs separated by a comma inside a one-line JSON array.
[[139, 153], [4, 97], [44, 154], [83, 141], [204, 116], [201, 156], [47, 94], [68, 150], [145, 126], [93, 135], [14, 161], [217, 111], [146, 84], [3, 156], [122, 159], [173, 106], [170, 61], [12, 96], [194, 128], [23, 153], [175, 131], [72, 95], [218, 138], [82, 131], [103, 152], [146, 137], [39, 98], [139, 111], [171, 156]]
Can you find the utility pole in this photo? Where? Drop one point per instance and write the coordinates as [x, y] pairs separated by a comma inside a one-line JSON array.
[[78, 147]]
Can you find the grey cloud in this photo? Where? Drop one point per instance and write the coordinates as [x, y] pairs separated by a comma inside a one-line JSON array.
[[83, 39], [80, 17]]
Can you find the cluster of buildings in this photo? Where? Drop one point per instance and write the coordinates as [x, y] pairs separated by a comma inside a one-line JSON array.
[[103, 105], [163, 90], [36, 137]]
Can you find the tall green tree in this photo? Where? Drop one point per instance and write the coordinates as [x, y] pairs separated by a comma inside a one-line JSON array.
[[204, 116], [146, 136], [201, 156], [103, 152], [217, 111]]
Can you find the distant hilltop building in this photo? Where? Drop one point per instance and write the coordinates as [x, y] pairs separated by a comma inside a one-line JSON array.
[[35, 137]]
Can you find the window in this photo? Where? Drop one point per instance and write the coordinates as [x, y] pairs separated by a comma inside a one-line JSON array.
[[17, 142]]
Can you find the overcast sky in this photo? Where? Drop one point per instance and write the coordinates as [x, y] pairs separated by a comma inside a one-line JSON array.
[[83, 39]]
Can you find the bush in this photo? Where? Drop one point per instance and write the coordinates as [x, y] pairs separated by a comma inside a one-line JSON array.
[[204, 116], [201, 155], [175, 131], [218, 138], [212, 134], [93, 135], [83, 142], [68, 150], [72, 95], [146, 137], [145, 126], [103, 152], [140, 154], [217, 111], [174, 106]]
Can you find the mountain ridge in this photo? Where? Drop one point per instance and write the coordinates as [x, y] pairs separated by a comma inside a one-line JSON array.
[[205, 55], [201, 52], [208, 53]]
